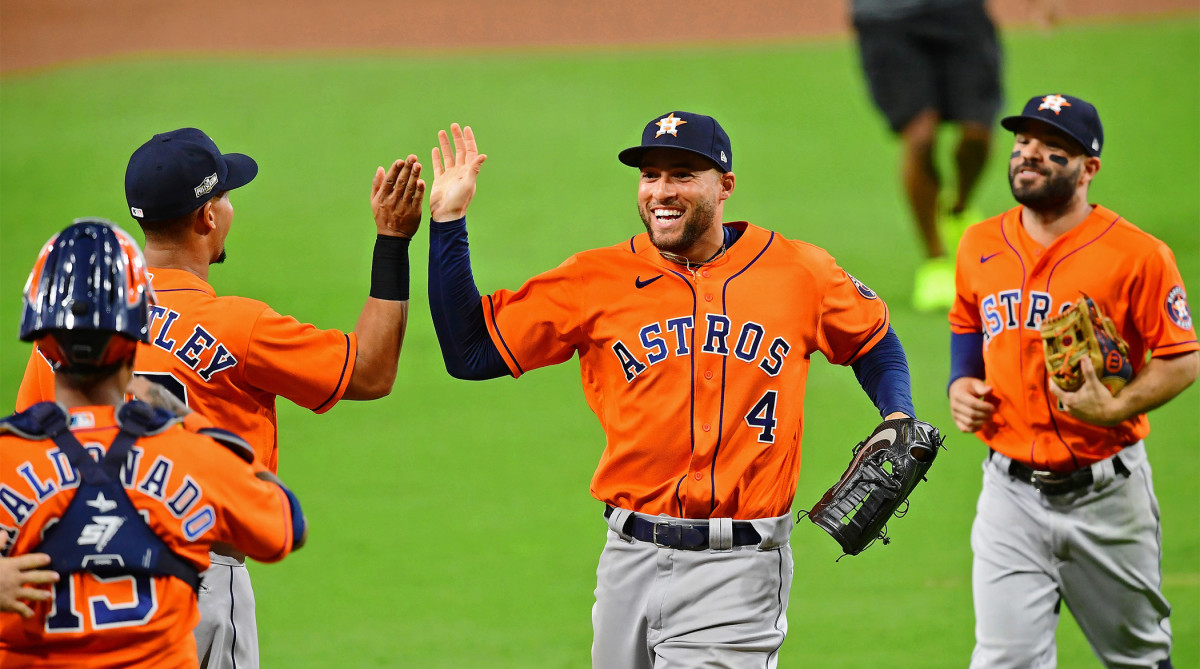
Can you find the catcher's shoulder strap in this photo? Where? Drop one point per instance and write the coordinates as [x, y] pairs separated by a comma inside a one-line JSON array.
[[239, 446], [37, 422], [101, 531]]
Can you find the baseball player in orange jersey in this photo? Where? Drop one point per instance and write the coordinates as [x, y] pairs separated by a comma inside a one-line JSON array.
[[694, 340], [124, 499], [1067, 512], [230, 357]]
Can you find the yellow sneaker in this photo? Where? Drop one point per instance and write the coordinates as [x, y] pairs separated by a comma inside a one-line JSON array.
[[933, 288], [952, 226]]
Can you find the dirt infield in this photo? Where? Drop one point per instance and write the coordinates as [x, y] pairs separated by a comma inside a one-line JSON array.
[[41, 33]]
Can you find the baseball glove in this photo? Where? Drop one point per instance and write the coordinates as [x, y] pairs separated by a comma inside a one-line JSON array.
[[883, 471], [1082, 331]]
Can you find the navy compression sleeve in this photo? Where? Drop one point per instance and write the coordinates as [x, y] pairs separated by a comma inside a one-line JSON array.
[[966, 356], [454, 302], [883, 374]]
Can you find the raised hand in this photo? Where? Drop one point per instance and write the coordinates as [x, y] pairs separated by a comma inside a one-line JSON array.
[[454, 173], [396, 198]]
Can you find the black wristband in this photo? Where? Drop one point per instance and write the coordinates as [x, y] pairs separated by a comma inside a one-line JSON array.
[[389, 268]]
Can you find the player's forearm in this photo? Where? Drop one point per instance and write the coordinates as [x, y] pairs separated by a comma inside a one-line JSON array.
[[883, 374], [1155, 385], [380, 328], [380, 334], [456, 308], [966, 357]]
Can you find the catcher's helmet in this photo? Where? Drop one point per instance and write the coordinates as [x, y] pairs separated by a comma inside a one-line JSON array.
[[88, 283]]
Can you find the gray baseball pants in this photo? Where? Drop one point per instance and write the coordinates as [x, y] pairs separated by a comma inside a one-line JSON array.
[[1097, 549], [665, 608], [227, 636]]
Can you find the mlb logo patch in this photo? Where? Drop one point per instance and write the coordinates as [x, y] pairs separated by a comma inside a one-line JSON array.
[[1177, 308], [862, 287]]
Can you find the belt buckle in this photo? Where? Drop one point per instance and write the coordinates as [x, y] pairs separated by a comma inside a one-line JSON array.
[[671, 535], [1049, 483]]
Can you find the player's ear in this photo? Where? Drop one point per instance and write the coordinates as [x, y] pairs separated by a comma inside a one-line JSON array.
[[727, 181], [1091, 165], [207, 218]]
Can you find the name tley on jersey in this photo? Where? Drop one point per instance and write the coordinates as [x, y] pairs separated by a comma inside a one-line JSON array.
[[194, 347], [183, 502], [1004, 311], [662, 338]]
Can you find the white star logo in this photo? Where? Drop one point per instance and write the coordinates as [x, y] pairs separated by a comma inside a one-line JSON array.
[[101, 504], [1054, 103], [669, 125]]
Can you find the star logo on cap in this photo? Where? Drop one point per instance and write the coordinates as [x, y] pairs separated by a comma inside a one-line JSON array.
[[670, 124], [1054, 103]]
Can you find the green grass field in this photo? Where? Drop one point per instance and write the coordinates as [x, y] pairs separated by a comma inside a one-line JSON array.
[[451, 524]]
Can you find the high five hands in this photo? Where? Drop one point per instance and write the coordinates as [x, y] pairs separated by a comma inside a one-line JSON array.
[[454, 173]]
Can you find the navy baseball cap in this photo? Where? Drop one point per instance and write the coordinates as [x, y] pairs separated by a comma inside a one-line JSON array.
[[685, 131], [176, 172], [1077, 118]]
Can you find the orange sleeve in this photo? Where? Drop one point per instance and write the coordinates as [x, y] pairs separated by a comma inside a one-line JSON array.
[[964, 313], [853, 318], [253, 515], [1160, 309], [38, 383], [307, 365], [539, 324]]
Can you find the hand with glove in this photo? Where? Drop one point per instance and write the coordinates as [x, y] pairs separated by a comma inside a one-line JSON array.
[[883, 471]]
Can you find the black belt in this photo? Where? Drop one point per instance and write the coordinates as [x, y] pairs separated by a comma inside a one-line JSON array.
[[1051, 484], [682, 535]]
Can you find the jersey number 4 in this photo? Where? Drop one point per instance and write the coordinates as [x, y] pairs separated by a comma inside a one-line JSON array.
[[762, 416], [65, 615]]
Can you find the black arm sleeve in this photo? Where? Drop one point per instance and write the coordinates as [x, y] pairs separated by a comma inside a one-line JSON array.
[[454, 302], [883, 374]]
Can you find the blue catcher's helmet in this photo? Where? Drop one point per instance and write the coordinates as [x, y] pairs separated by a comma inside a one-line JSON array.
[[89, 283]]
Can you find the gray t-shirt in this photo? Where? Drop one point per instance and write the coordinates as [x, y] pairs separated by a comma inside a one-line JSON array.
[[891, 9]]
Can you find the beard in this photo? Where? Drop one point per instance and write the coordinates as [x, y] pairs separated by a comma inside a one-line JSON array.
[[1053, 195], [694, 226], [221, 258]]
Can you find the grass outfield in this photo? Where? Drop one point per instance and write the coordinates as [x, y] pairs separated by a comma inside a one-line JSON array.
[[450, 523]]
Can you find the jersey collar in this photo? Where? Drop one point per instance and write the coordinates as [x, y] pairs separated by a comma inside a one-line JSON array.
[[164, 279]]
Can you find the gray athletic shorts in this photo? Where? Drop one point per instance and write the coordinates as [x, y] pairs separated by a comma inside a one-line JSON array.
[[946, 59], [1098, 550], [227, 636], [666, 608]]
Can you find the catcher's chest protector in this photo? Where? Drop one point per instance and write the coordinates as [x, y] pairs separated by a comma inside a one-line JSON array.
[[101, 530]]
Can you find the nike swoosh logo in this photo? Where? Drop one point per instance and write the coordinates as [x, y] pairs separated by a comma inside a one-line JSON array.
[[983, 259], [642, 284]]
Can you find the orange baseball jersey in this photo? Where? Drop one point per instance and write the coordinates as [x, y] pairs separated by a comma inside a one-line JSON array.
[[698, 379], [228, 358], [1007, 283], [191, 491]]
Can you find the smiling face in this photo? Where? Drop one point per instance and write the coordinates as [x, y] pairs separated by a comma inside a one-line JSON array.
[[681, 196], [1048, 170]]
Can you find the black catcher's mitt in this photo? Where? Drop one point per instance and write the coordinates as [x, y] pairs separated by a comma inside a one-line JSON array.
[[883, 471]]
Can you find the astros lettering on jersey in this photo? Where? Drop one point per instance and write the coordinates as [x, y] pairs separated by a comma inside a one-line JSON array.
[[677, 364], [1008, 283], [191, 491], [227, 358]]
